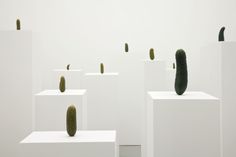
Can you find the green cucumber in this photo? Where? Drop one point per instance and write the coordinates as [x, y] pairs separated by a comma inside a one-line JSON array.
[[101, 68], [68, 67], [18, 26], [71, 124], [126, 47], [62, 84], [151, 54], [221, 34], [181, 78]]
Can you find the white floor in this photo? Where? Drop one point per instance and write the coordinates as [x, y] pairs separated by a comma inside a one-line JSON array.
[[130, 151]]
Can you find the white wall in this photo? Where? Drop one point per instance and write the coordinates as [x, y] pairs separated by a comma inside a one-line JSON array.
[[86, 32]]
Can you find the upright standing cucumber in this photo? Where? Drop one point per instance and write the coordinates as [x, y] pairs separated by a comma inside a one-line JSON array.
[[101, 68], [71, 124], [18, 27], [68, 67], [151, 54], [221, 36], [126, 47], [62, 84], [181, 78], [173, 65]]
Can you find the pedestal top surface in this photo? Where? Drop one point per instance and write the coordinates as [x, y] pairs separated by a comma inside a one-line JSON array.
[[104, 74], [58, 92], [155, 60], [63, 137], [171, 95], [65, 70]]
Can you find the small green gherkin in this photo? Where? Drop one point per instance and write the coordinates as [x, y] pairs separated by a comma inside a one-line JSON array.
[[181, 78], [126, 47], [68, 67], [221, 34], [101, 68], [18, 26], [71, 124], [151, 54], [62, 84]]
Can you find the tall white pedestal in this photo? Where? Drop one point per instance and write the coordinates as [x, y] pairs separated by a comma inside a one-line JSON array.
[[16, 89], [132, 98], [218, 78], [155, 75], [73, 78], [51, 107], [183, 126], [103, 102], [59, 144]]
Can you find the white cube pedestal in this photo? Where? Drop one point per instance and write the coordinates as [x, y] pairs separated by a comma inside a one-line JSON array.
[[103, 104], [183, 126], [73, 78], [155, 75], [16, 89], [218, 79], [51, 107], [59, 144]]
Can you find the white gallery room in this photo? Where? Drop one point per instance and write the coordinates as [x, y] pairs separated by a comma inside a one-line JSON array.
[[117, 78]]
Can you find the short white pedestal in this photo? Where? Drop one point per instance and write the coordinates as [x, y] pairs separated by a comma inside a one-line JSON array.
[[155, 75], [103, 104], [16, 89], [183, 126], [59, 144], [218, 78], [73, 78], [170, 77], [51, 107]]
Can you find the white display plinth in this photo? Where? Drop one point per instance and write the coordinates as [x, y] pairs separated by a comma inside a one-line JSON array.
[[131, 96], [183, 126], [16, 89], [51, 107], [59, 144], [155, 75], [73, 78], [218, 78], [103, 104], [170, 77]]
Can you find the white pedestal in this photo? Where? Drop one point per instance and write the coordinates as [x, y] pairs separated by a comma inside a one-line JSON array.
[[51, 107], [183, 126], [155, 75], [170, 77], [103, 103], [59, 144], [218, 78], [131, 98], [73, 78], [16, 89]]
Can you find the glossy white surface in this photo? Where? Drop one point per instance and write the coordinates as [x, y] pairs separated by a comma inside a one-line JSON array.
[[16, 89], [218, 78], [58, 92], [63, 137], [103, 103], [165, 95], [59, 144], [187, 125]]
